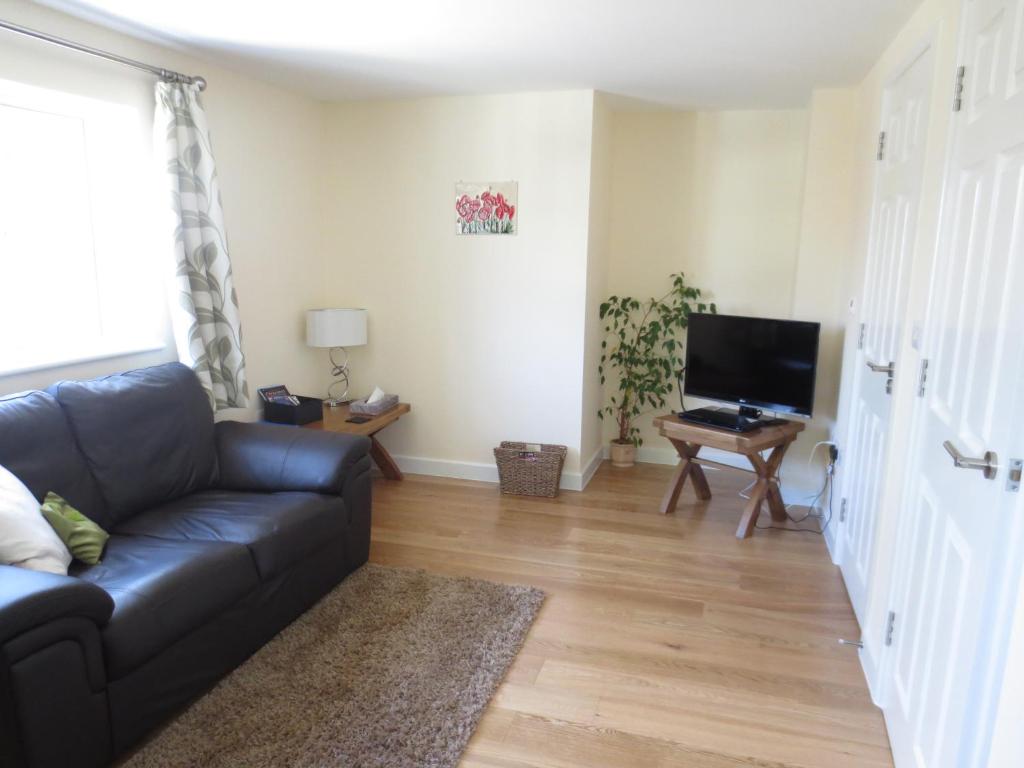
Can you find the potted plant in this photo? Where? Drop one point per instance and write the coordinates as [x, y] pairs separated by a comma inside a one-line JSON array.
[[642, 347]]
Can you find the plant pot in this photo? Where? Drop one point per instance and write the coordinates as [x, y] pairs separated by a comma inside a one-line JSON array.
[[623, 454]]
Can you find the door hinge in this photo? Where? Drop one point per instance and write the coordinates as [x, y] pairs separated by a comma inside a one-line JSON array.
[[890, 624], [860, 341], [881, 146], [1013, 478], [923, 378], [958, 89], [842, 511]]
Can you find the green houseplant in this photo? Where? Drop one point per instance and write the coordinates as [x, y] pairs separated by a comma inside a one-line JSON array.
[[642, 347]]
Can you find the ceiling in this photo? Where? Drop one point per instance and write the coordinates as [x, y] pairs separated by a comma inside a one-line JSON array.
[[709, 54]]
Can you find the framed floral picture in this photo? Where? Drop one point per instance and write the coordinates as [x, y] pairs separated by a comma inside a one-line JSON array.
[[486, 208]]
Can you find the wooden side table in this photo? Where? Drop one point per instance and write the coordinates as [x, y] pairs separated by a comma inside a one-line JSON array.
[[689, 438], [335, 421]]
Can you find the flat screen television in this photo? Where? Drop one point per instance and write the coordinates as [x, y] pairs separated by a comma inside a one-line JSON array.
[[753, 362]]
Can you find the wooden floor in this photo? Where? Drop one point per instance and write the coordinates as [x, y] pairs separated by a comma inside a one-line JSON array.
[[664, 641]]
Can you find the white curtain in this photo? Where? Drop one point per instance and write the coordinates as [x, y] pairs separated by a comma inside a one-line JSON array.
[[206, 319]]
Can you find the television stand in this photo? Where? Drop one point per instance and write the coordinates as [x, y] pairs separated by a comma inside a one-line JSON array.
[[689, 438]]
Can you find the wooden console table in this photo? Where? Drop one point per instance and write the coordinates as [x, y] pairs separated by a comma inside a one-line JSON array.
[[689, 438], [335, 421]]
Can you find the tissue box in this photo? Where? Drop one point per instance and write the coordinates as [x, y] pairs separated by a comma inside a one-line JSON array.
[[361, 407]]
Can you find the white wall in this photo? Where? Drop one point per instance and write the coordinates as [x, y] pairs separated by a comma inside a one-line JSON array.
[[269, 147], [484, 335]]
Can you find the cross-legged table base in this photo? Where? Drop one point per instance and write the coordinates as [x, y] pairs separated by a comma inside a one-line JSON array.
[[688, 439], [765, 489], [387, 465], [687, 468]]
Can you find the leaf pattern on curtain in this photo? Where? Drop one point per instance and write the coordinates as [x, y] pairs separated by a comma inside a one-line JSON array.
[[207, 326]]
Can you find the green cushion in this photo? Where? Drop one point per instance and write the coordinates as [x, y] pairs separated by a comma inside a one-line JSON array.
[[83, 538]]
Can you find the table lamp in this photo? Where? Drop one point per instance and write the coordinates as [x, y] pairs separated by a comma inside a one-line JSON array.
[[336, 329]]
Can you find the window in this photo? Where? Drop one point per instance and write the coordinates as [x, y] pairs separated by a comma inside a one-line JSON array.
[[80, 277]]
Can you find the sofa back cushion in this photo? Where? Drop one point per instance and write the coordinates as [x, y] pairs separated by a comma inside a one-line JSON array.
[[37, 446], [147, 435]]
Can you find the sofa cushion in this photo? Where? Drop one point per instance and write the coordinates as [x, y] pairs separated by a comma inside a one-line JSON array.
[[278, 528], [147, 436], [36, 445], [83, 538], [26, 539], [162, 591]]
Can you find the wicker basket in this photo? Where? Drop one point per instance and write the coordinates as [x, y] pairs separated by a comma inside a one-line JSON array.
[[525, 471]]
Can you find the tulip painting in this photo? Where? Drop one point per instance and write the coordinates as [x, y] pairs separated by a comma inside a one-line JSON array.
[[486, 209]]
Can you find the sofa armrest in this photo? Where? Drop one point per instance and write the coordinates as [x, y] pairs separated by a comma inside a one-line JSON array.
[[273, 457], [31, 599], [53, 685]]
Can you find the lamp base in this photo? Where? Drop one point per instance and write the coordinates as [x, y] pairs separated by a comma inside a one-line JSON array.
[[340, 372]]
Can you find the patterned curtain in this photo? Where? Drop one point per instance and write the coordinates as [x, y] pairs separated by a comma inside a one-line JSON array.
[[206, 319]]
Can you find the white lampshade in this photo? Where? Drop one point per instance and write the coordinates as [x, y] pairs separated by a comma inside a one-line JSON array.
[[336, 327]]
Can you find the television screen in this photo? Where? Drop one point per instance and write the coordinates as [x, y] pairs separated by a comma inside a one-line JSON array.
[[752, 361]]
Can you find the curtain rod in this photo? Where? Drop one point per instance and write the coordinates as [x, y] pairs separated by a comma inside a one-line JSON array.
[[163, 74]]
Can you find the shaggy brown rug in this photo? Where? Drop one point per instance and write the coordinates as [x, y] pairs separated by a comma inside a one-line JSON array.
[[393, 668]]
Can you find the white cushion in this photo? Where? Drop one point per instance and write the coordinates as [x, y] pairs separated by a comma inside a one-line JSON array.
[[26, 539]]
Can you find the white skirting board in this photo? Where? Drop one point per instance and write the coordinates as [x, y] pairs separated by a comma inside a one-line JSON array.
[[577, 481], [488, 473]]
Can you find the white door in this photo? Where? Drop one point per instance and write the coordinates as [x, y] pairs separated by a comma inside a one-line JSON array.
[[905, 104], [956, 521]]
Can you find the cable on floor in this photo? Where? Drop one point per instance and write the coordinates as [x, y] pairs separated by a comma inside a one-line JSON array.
[[828, 485]]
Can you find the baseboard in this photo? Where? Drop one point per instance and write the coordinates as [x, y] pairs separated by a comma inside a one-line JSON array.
[[577, 481], [591, 467], [461, 470], [487, 473]]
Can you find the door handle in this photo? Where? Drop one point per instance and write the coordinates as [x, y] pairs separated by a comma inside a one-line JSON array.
[[889, 369], [989, 464]]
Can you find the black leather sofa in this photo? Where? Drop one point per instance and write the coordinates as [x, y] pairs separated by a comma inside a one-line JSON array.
[[221, 534]]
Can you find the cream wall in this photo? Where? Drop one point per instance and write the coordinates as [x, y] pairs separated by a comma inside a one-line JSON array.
[[269, 146], [716, 195], [495, 338], [831, 196], [483, 335], [592, 438]]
